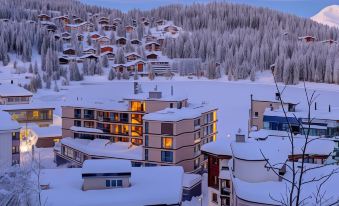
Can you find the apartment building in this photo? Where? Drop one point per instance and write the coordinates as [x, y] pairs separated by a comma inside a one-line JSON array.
[[9, 141], [128, 130], [218, 155], [12, 94], [174, 136], [243, 172], [258, 107]]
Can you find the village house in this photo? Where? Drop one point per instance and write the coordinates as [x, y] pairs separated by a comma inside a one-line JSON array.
[[109, 27], [69, 51], [307, 39], [110, 55], [129, 29], [64, 19], [121, 41], [113, 182], [12, 94], [44, 17], [106, 48], [171, 29], [152, 46], [9, 141], [135, 42], [330, 41], [103, 40], [132, 56]]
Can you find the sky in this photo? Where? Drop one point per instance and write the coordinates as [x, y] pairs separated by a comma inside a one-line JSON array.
[[304, 8]]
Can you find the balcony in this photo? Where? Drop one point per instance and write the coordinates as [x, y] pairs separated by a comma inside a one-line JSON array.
[[89, 116]]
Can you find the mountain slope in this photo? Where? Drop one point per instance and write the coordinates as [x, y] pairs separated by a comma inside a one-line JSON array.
[[328, 16]]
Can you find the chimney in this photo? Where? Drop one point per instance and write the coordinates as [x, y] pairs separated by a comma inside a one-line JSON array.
[[329, 108], [277, 96], [239, 137], [315, 105], [155, 95]]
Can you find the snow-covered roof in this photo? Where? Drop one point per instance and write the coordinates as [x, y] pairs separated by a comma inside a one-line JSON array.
[[277, 149], [324, 114], [264, 133], [51, 131], [86, 129], [174, 114], [190, 180], [145, 97], [222, 146], [6, 122], [149, 186], [11, 90], [100, 105], [100, 166], [105, 148], [30, 106], [268, 191]]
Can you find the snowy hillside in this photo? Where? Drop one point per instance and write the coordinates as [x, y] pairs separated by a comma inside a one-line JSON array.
[[328, 16]]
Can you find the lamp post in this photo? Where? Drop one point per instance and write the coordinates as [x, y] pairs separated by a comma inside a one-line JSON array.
[[200, 199]]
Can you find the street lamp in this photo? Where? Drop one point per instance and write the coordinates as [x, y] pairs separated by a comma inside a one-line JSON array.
[[200, 199]]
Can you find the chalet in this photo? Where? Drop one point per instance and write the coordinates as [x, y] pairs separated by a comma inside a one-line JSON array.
[[152, 56], [307, 38], [12, 94], [132, 56], [117, 20], [119, 67], [69, 51], [63, 60], [78, 21], [160, 22], [121, 41], [106, 48], [50, 26], [129, 28], [146, 23], [135, 42], [44, 17], [103, 21], [171, 29], [150, 38], [95, 36], [109, 27], [80, 37], [329, 41], [110, 55], [89, 50], [160, 41], [152, 46], [64, 19], [103, 40], [160, 66], [82, 27], [89, 57], [57, 36]]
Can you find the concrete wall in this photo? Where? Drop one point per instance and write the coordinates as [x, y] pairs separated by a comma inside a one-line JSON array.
[[99, 183], [253, 171], [260, 106], [5, 149]]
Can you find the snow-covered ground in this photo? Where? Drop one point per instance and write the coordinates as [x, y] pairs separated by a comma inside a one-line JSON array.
[[232, 98], [328, 16]]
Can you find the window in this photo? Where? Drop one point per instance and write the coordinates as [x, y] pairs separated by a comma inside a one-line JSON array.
[[146, 154], [167, 128], [88, 114], [123, 117], [179, 105], [167, 142], [146, 140], [108, 183], [171, 105], [77, 123], [15, 150], [113, 183], [196, 123], [77, 113], [215, 197], [166, 156], [15, 135], [146, 127], [256, 114]]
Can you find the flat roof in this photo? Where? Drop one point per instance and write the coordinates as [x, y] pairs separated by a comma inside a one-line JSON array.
[[149, 186], [6, 122], [12, 90], [105, 148], [145, 97], [100, 166], [100, 105], [30, 106], [174, 114], [324, 114], [222, 146], [51, 131]]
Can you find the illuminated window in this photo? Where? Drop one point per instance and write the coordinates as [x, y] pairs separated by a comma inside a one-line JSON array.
[[35, 114], [167, 142]]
